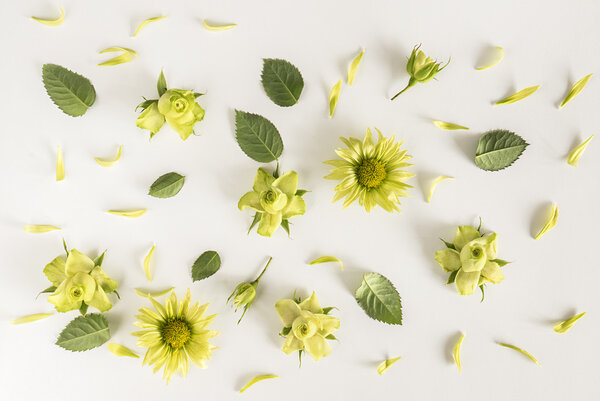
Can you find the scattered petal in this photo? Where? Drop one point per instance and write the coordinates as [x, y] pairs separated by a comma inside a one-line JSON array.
[[126, 57], [354, 67], [565, 325], [522, 351], [60, 167], [108, 162], [121, 350], [435, 183], [256, 380], [147, 261], [520, 95], [40, 228], [456, 352], [217, 28], [327, 259], [147, 294], [448, 126], [146, 22], [51, 22], [30, 318], [334, 95], [498, 55], [385, 365], [552, 220], [575, 89], [129, 213], [577, 151]]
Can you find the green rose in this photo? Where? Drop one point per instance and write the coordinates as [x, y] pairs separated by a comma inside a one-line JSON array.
[[151, 119], [471, 259], [181, 111], [275, 199], [420, 68], [78, 281]]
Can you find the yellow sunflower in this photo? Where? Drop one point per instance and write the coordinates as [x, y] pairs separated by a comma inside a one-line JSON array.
[[174, 334], [371, 173]]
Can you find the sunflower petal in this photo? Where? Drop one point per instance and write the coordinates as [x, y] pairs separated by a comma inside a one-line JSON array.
[[146, 22], [129, 213], [147, 261], [30, 318], [448, 126], [496, 58], [456, 352], [256, 380], [109, 162], [60, 167], [577, 151], [522, 351], [575, 89], [435, 183], [520, 95], [334, 95], [217, 28], [121, 350], [354, 67], [327, 259], [565, 325], [51, 22], [148, 294], [40, 228], [550, 223], [385, 365]]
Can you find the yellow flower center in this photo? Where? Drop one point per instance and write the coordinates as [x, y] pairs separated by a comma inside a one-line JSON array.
[[176, 333], [76, 292], [179, 105], [371, 173], [304, 328]]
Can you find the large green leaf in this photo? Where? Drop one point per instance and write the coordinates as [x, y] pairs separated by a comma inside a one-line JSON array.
[[84, 333], [282, 82], [167, 185], [206, 265], [257, 137], [379, 299], [71, 92], [498, 149]]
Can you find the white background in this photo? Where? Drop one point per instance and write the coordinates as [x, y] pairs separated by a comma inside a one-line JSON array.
[[548, 43]]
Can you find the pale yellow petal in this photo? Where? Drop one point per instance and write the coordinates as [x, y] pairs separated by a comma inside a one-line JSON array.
[[121, 350], [575, 89], [146, 22], [256, 380], [40, 228], [147, 261], [435, 183], [495, 59], [151, 294], [577, 151], [30, 318], [456, 352], [522, 351], [217, 28], [52, 22], [334, 95], [126, 56], [520, 95], [385, 365], [550, 223], [354, 67], [565, 325], [448, 126], [109, 162], [129, 213], [60, 167], [327, 259]]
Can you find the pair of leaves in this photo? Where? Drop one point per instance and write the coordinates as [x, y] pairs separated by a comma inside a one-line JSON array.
[[498, 149], [167, 185], [71, 92], [258, 138], [379, 299], [282, 82], [84, 333], [206, 265]]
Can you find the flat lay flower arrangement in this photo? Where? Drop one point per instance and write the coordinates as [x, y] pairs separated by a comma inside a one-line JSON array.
[[373, 172]]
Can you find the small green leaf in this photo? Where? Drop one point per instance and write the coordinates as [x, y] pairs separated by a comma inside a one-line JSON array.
[[328, 309], [448, 244], [379, 299], [99, 259], [84, 333], [500, 262], [167, 185], [257, 217], [452, 277], [83, 308], [258, 137], [282, 81], [498, 149], [482, 288], [71, 92], [301, 192], [286, 226], [575, 89], [145, 104], [206, 265], [161, 84], [520, 95], [331, 337]]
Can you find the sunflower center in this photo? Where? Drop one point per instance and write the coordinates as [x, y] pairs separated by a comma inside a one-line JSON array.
[[176, 333], [371, 173]]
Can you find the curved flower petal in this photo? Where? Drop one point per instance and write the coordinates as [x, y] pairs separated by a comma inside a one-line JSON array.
[[250, 199], [287, 183], [492, 272], [263, 180], [317, 347], [288, 310], [295, 207], [77, 262], [151, 119], [329, 324], [466, 282], [311, 304], [449, 259], [269, 223], [292, 344], [55, 271], [464, 235]]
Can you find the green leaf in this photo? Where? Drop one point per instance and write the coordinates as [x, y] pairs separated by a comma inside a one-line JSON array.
[[206, 265], [482, 288], [379, 299], [328, 309], [331, 337], [257, 137], [48, 290], [286, 226], [167, 185], [500, 262], [161, 84], [282, 82], [83, 308], [285, 331], [257, 217], [301, 192], [71, 92], [99, 260], [448, 244], [452, 277], [84, 333], [145, 104], [498, 149]]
